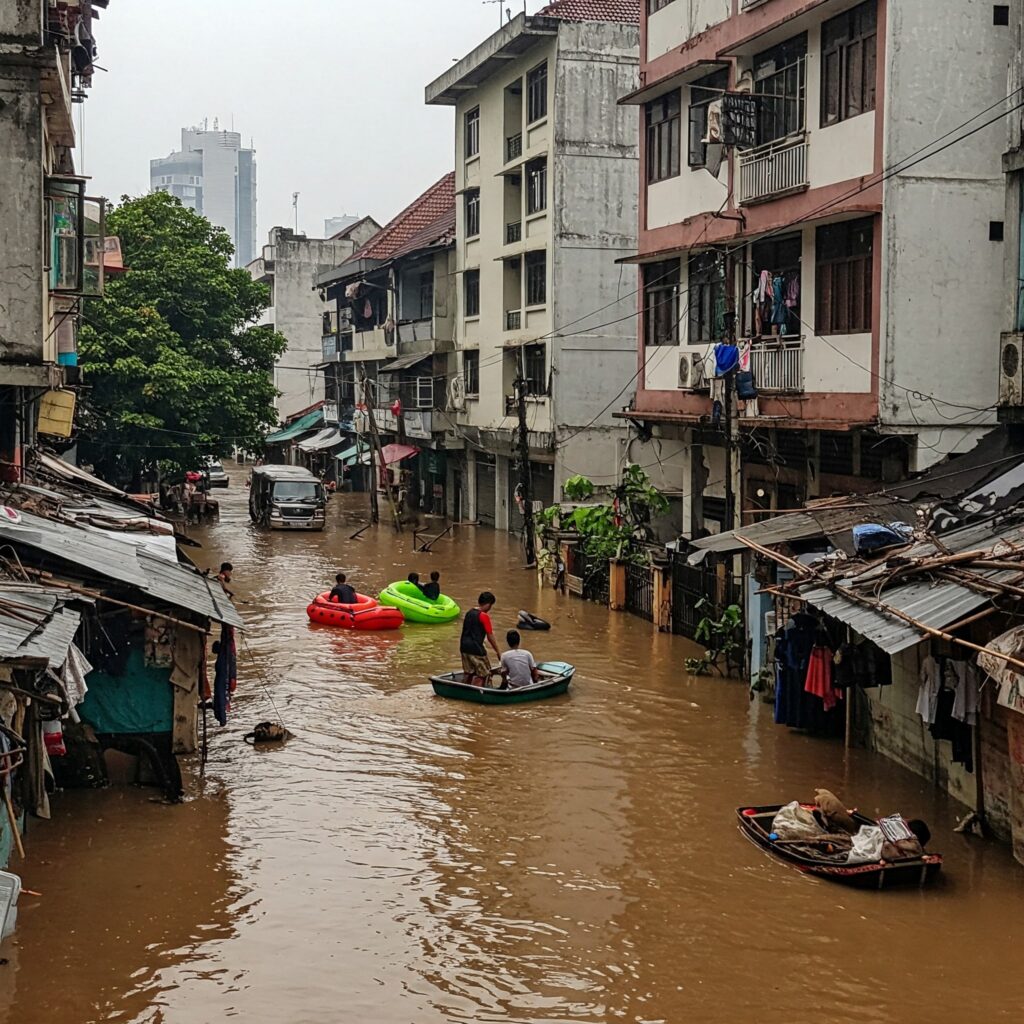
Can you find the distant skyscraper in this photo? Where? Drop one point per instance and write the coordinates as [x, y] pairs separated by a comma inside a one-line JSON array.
[[215, 176], [335, 225]]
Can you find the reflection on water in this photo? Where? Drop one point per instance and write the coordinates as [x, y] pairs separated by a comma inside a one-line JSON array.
[[407, 859]]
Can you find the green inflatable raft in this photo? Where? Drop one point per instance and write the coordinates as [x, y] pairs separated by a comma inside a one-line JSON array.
[[417, 608]]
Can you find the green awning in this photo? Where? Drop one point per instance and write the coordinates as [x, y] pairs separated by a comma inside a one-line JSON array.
[[349, 455], [311, 421]]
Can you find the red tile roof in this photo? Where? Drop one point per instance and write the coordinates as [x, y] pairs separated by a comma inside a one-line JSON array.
[[431, 210], [594, 10]]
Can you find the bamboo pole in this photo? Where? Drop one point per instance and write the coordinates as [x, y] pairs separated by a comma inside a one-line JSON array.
[[13, 820]]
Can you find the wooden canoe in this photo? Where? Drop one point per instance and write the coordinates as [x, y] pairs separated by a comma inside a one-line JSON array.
[[556, 677], [756, 825]]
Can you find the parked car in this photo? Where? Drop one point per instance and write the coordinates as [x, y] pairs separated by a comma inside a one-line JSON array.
[[216, 475]]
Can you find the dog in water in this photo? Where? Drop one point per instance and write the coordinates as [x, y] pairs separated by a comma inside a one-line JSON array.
[[268, 732]]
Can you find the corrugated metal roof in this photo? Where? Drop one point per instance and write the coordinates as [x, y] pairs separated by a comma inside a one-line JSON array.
[[123, 561], [35, 625], [832, 521], [935, 603]]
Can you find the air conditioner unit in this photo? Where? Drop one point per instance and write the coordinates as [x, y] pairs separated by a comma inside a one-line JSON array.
[[1011, 369], [692, 375]]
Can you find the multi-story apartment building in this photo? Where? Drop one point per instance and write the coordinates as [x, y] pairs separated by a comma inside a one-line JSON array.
[[825, 178], [53, 243], [545, 169], [289, 266], [215, 175], [391, 322]]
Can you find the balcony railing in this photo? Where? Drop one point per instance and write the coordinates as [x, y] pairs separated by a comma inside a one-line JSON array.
[[513, 319], [513, 232], [513, 147], [773, 170], [778, 364]]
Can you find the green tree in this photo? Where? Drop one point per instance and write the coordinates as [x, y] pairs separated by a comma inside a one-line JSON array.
[[174, 368]]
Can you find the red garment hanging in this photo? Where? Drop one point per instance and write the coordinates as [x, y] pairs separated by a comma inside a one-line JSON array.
[[819, 678]]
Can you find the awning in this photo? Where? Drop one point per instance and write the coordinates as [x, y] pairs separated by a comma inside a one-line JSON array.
[[396, 452], [327, 438], [404, 362], [349, 455], [36, 627], [303, 425]]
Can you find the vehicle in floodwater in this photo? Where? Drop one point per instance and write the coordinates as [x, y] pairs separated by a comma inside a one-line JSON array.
[[286, 498]]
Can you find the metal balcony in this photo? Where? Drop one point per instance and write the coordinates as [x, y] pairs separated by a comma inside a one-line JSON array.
[[773, 170], [513, 147], [513, 232], [778, 364]]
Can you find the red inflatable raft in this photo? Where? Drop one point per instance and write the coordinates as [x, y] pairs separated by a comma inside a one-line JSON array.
[[366, 613]]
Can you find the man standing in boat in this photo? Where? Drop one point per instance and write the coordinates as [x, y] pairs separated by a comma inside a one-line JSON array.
[[476, 631]]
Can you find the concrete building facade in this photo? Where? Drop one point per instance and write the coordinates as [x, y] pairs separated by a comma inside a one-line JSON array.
[[804, 144], [290, 265], [54, 248], [215, 175], [545, 164]]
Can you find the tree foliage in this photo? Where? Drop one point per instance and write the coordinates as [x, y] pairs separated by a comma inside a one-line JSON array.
[[174, 368], [619, 528]]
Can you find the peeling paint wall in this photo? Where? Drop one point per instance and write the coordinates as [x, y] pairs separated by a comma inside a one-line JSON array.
[[22, 288], [595, 170], [942, 278]]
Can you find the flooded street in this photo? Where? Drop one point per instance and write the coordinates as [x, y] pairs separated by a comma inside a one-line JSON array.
[[409, 860]]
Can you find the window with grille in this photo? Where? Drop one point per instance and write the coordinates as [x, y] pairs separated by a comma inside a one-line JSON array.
[[663, 118], [843, 270], [426, 294], [653, 6], [661, 303], [472, 132], [471, 286], [536, 369], [706, 300], [536, 278], [703, 93], [536, 186], [471, 372], [849, 49], [537, 93], [473, 213], [779, 82]]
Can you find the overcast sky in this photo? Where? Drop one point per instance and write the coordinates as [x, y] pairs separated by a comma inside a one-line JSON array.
[[329, 91]]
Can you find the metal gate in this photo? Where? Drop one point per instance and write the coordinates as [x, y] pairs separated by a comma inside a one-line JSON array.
[[640, 591], [589, 574], [485, 490], [691, 584]]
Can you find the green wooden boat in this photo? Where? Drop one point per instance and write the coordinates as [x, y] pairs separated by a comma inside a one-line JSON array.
[[556, 676]]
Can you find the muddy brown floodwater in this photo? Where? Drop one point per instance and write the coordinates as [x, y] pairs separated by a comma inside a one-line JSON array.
[[409, 860]]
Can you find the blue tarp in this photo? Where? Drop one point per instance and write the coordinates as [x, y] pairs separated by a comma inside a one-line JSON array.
[[140, 700]]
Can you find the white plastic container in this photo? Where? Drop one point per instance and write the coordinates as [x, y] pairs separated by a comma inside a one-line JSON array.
[[10, 890]]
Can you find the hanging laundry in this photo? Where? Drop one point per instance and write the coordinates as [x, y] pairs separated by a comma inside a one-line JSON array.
[[928, 692], [780, 315], [727, 358], [819, 677]]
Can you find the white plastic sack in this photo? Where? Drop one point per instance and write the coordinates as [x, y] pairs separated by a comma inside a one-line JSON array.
[[795, 822], [867, 845]]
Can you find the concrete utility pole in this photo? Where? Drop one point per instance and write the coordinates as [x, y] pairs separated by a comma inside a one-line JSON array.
[[376, 452], [524, 464]]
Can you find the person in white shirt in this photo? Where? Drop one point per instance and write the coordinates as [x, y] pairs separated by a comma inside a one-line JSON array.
[[517, 665]]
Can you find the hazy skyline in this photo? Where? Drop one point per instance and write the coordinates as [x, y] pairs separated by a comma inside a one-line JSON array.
[[329, 93]]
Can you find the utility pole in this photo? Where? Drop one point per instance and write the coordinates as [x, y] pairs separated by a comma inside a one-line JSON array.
[[295, 208], [364, 385], [378, 453], [524, 465]]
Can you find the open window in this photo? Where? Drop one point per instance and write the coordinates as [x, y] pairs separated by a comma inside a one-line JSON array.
[[65, 216]]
